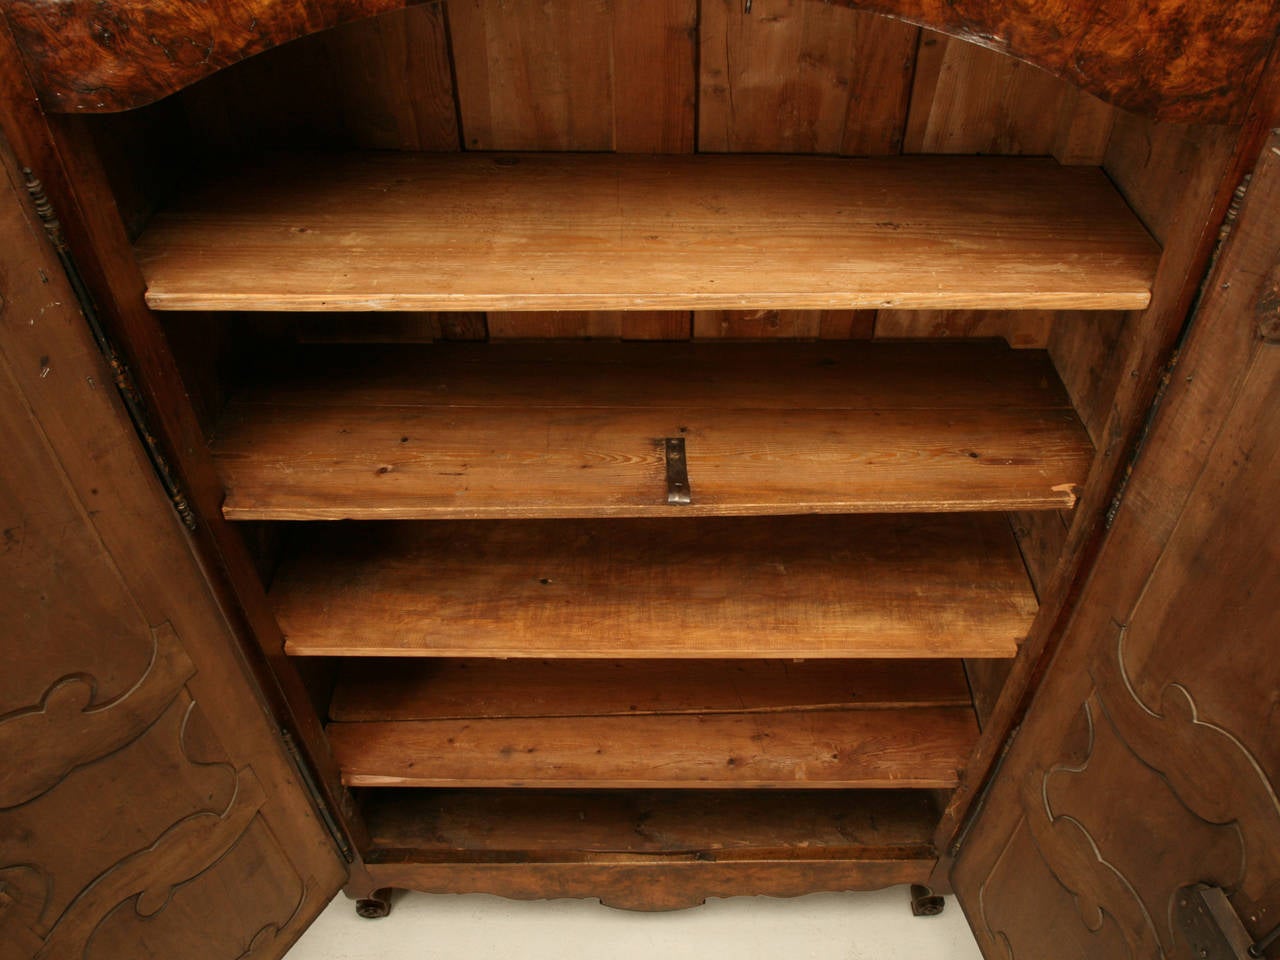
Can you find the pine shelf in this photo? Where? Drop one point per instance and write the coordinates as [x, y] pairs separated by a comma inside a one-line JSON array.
[[578, 430], [386, 231], [607, 724], [812, 587]]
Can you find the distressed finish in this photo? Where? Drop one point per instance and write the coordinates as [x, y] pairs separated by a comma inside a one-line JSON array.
[[1149, 761], [91, 56], [1180, 60], [143, 800]]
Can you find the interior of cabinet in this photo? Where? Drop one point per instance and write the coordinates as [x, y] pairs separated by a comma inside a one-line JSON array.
[[446, 285]]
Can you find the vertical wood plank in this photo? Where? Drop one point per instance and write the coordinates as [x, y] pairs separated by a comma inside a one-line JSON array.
[[654, 56], [575, 75], [755, 324], [534, 76], [1022, 329], [655, 325], [783, 324], [1084, 128], [380, 83], [1082, 347], [847, 325], [570, 324], [396, 91], [794, 76], [968, 99], [588, 325]]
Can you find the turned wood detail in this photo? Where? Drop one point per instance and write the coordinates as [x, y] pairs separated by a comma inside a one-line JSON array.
[[1191, 60]]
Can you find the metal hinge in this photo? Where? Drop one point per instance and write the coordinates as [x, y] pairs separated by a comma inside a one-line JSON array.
[[971, 817], [1166, 376], [308, 782], [120, 374]]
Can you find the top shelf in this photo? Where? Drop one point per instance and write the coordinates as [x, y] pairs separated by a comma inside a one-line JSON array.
[[385, 231]]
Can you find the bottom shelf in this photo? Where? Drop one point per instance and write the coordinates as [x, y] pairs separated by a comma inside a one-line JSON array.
[[649, 850], [653, 724]]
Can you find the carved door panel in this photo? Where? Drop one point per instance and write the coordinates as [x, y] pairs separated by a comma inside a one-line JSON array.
[[146, 808], [1150, 758]]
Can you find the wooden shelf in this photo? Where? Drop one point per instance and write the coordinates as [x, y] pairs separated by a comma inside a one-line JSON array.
[[585, 733], [848, 586], [648, 849], [495, 826], [485, 431], [387, 231]]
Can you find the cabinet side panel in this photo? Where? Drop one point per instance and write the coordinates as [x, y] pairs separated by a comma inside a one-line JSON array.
[[1148, 760], [139, 761]]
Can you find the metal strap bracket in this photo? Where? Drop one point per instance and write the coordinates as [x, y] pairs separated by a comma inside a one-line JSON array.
[[677, 471]]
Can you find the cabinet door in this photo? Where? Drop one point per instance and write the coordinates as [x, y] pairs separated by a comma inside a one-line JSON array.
[[147, 808], [1150, 758]]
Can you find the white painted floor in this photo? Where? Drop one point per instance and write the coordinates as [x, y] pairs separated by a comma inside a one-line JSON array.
[[835, 926]]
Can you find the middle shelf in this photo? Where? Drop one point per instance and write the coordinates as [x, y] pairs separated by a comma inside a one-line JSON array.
[[652, 724], [455, 431], [949, 585]]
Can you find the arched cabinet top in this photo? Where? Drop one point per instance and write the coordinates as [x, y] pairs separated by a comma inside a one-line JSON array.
[[1189, 60]]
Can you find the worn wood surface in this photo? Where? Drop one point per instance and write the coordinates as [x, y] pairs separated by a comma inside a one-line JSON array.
[[1149, 759], [385, 689], [1186, 61], [950, 585], [818, 747], [575, 75], [146, 809], [848, 79], [1181, 181], [456, 825], [580, 434], [589, 324], [658, 885], [610, 232]]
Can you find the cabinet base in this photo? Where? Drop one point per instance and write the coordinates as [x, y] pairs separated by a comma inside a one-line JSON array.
[[646, 886]]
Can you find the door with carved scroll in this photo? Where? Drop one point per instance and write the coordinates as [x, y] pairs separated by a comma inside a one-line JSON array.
[[1150, 758], [146, 808]]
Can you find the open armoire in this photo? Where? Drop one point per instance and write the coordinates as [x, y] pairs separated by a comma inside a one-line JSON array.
[[642, 451]]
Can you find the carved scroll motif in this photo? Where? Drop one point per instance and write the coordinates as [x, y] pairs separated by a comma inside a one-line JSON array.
[[184, 851], [43, 743]]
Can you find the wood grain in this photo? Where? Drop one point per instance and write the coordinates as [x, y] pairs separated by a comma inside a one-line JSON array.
[[793, 76], [827, 749], [582, 438], [575, 75], [949, 585], [658, 883], [968, 99], [1021, 329], [580, 324], [445, 689], [783, 324], [1182, 60], [584, 232], [454, 826], [118, 786]]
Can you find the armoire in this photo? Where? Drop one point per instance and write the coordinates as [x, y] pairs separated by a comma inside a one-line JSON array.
[[639, 451]]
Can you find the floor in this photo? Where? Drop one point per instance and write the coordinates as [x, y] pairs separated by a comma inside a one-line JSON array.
[[845, 926]]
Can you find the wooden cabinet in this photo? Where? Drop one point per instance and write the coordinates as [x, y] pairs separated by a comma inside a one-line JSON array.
[[599, 462]]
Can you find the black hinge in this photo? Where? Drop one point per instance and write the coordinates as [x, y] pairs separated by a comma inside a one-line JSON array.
[[119, 371], [308, 782], [1166, 376], [971, 816]]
